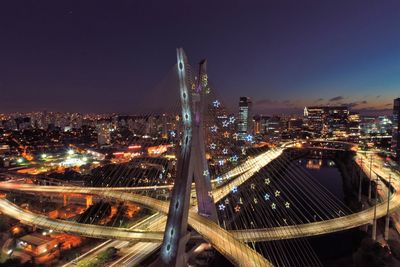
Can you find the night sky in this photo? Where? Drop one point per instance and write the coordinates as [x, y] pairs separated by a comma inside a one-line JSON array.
[[105, 56]]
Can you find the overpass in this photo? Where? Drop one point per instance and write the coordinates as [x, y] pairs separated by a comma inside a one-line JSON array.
[[254, 235]]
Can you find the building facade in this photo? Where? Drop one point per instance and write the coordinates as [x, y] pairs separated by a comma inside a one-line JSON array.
[[245, 119], [327, 120], [395, 145]]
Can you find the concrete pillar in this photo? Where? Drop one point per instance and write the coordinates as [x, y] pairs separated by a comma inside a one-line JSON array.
[[191, 164], [370, 189], [387, 221], [370, 180], [373, 236], [376, 202], [360, 184]]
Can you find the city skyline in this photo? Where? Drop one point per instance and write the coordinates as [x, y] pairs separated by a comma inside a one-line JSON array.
[[285, 56], [213, 133]]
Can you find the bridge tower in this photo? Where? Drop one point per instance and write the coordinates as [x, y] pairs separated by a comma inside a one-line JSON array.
[[191, 165]]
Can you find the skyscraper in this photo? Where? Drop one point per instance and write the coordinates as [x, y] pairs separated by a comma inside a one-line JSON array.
[[104, 129], [327, 120], [395, 129], [245, 117]]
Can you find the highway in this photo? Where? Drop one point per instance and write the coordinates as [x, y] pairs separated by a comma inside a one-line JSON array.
[[244, 172], [265, 234], [236, 251], [334, 225], [132, 250], [88, 230], [137, 252]]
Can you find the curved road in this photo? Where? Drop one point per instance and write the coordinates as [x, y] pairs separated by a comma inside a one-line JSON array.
[[236, 251], [285, 232], [88, 230]]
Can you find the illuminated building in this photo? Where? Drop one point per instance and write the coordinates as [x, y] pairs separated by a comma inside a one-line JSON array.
[[245, 120], [157, 150], [37, 244], [314, 118], [354, 124], [104, 129], [327, 120], [267, 125], [395, 128], [371, 125]]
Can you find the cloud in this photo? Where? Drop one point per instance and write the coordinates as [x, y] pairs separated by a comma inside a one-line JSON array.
[[355, 104], [319, 100], [337, 98], [375, 111], [351, 104]]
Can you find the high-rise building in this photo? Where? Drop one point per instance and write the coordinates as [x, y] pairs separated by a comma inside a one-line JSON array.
[[314, 118], [372, 125], [245, 120], [104, 129], [395, 129], [354, 128], [269, 127], [327, 120]]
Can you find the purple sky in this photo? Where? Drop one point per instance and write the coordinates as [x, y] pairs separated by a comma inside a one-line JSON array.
[[105, 56]]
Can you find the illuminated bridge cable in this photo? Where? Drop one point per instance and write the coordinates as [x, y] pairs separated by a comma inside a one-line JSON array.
[[117, 174], [297, 178], [218, 142], [252, 212], [289, 217], [326, 194]]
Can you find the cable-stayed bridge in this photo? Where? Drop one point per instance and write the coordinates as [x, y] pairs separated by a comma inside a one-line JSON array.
[[242, 199]]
